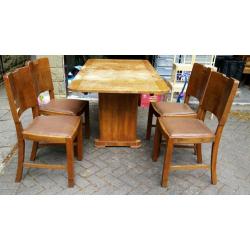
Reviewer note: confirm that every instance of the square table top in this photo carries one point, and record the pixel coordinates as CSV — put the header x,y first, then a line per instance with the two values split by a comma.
x,y
119,76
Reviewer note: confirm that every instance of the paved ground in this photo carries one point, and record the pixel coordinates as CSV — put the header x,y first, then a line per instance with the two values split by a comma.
x,y
130,171
7,126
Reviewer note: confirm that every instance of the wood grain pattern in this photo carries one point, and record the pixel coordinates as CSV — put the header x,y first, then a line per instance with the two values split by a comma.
x,y
118,76
22,96
41,74
118,120
196,86
42,81
118,83
218,99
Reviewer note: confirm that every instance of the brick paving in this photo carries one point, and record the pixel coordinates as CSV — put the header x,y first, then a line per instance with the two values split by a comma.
x,y
7,127
115,170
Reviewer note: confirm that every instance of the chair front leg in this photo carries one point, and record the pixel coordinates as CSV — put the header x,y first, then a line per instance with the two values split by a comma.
x,y
70,158
199,152
214,154
21,154
34,150
80,143
150,120
157,142
167,162
87,125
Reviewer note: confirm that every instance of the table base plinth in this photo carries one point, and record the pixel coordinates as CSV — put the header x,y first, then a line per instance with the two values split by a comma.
x,y
102,143
118,120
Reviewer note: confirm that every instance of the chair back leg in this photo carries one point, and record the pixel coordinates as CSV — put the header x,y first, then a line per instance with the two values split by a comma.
x,y
157,142
79,143
150,120
70,158
34,151
87,126
199,152
167,162
21,154
214,154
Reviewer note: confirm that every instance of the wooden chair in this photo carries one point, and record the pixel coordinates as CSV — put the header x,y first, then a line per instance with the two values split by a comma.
x,y
42,79
197,83
218,98
49,129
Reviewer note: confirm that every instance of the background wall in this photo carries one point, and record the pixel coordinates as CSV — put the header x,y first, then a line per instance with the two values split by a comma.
x,y
57,71
12,62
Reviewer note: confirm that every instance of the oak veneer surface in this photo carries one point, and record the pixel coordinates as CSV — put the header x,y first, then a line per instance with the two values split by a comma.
x,y
118,120
119,76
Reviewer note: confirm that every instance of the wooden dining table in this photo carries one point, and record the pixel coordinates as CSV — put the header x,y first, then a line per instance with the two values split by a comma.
x,y
119,84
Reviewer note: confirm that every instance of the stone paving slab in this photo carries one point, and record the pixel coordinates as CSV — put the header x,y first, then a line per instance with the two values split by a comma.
x,y
8,137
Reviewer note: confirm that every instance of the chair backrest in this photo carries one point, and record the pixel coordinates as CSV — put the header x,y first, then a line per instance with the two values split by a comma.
x,y
197,82
218,97
41,74
21,94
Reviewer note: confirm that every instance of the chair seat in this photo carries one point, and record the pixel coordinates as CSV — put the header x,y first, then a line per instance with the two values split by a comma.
x,y
186,129
52,128
173,109
64,107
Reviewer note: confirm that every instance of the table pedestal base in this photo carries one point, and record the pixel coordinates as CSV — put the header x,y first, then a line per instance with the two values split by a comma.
x,y
118,120
133,144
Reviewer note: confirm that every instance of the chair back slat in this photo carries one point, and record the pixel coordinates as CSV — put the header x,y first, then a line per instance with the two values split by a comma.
x,y
41,74
219,95
20,92
197,81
